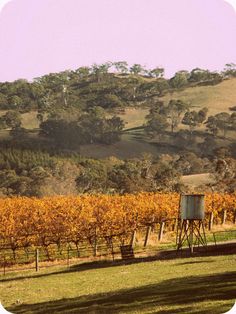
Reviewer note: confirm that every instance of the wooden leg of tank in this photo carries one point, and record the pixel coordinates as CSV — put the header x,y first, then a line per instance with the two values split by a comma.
x,y
191,228
180,236
193,233
204,234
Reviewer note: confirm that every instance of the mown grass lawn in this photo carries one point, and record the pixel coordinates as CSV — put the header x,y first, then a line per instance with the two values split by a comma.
x,y
183,285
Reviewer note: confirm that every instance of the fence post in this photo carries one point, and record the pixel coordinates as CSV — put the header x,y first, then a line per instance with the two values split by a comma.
x,y
224,216
160,235
132,242
95,249
148,232
4,265
112,250
174,226
68,256
211,220
37,259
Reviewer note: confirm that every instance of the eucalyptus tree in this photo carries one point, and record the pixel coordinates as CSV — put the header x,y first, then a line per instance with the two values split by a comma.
x,y
174,111
100,70
11,119
199,75
156,124
220,122
157,72
194,118
137,69
230,69
83,72
121,67
180,79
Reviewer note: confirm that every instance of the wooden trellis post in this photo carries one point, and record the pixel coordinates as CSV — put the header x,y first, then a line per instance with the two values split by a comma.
x,y
133,238
4,264
37,259
211,220
147,236
224,216
174,225
68,256
160,235
95,248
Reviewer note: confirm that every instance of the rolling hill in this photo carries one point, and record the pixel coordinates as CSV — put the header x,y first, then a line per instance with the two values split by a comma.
x,y
134,143
217,98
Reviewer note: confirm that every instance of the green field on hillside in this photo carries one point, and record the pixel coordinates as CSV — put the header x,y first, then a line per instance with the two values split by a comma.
x,y
135,143
216,98
185,285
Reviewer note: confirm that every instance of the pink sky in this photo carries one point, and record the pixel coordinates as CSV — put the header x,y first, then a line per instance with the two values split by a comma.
x,y
42,36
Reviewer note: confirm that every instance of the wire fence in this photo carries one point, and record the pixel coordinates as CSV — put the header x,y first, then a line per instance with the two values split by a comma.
x,y
23,254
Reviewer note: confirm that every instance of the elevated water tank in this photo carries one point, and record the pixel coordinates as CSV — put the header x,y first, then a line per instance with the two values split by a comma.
x,y
192,206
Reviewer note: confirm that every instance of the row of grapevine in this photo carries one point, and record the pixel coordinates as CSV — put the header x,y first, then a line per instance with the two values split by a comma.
x,y
26,222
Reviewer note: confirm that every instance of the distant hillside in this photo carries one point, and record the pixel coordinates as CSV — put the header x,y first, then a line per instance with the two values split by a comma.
x,y
134,143
197,180
129,94
216,98
92,130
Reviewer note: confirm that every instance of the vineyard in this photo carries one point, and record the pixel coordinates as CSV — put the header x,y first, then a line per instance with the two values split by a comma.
x,y
27,223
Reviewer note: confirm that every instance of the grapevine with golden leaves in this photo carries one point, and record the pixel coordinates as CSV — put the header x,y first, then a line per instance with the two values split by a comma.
x,y
40,222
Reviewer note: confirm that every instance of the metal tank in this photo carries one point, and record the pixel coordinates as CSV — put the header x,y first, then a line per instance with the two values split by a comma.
x,y
192,207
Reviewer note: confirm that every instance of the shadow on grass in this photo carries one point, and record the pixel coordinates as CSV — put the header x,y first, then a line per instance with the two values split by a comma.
x,y
226,249
195,262
178,295
84,266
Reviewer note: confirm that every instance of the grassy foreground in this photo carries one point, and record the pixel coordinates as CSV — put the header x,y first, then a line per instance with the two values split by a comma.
x,y
184,285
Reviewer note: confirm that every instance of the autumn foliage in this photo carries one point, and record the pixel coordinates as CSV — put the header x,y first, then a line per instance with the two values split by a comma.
x,y
41,222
